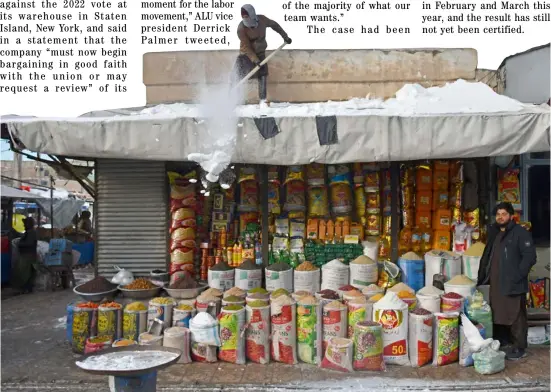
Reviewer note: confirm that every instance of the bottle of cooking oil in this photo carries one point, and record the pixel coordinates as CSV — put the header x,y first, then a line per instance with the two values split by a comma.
x,y
417,240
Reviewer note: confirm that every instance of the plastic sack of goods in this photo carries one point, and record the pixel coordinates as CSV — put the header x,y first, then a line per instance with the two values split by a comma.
x,y
392,313
309,327
258,331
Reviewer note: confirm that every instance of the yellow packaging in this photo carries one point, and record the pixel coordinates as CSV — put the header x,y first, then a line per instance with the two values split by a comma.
x,y
456,216
357,229
472,218
183,213
426,240
404,241
273,198
184,233
341,198
373,224
387,225
360,201
294,173
178,192
407,197
407,176
373,181
456,196
373,200
416,240
441,240
408,218
247,174
181,256
384,247
318,202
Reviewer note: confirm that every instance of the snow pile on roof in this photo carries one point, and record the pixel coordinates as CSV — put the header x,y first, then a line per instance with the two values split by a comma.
x,y
459,97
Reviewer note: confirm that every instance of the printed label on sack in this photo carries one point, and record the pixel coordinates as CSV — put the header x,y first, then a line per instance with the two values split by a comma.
x,y
109,323
395,331
258,335
334,325
284,335
395,349
355,315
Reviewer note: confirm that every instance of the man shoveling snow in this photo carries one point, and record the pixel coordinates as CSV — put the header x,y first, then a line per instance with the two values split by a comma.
x,y
252,34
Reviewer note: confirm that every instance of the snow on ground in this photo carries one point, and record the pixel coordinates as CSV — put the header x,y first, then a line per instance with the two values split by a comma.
x,y
412,99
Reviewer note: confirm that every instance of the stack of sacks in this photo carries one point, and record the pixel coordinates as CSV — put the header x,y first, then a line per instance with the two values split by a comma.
x,y
183,203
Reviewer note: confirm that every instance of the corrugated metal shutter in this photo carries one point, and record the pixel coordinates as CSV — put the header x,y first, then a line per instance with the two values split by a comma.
x,y
131,216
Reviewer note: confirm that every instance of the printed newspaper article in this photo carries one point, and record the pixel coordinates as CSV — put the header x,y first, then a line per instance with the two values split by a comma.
x,y
76,47
208,195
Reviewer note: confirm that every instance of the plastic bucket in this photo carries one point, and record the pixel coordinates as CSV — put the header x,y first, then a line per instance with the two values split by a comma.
x,y
449,305
464,290
413,273
429,302
470,266
439,262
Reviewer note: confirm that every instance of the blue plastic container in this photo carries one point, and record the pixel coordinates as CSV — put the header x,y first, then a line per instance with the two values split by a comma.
x,y
413,273
86,252
69,327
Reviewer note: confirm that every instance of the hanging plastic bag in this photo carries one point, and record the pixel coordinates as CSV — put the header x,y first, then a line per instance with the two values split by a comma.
x,y
123,277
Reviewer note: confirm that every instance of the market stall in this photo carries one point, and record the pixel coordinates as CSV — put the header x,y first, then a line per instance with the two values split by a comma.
x,y
340,218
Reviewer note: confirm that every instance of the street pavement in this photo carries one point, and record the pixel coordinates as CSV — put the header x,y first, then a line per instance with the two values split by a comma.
x,y
36,357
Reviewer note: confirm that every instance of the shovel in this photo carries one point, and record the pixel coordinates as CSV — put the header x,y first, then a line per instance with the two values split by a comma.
x,y
255,69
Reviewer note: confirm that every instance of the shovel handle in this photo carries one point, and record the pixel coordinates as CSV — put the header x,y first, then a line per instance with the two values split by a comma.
x,y
255,69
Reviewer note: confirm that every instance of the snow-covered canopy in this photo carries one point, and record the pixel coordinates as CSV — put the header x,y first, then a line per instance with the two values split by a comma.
x,y
459,120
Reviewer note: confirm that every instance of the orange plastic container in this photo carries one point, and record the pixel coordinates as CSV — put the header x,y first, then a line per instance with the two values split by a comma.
x,y
440,200
322,230
440,180
423,179
423,219
423,200
442,220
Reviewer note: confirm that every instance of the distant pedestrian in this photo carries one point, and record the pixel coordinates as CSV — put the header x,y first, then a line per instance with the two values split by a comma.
x,y
252,51
24,269
508,257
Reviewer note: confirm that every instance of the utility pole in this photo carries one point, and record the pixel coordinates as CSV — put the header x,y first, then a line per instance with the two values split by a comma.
x,y
18,162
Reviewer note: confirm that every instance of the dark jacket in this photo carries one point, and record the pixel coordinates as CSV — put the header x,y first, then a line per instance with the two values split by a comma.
x,y
518,256
253,41
28,242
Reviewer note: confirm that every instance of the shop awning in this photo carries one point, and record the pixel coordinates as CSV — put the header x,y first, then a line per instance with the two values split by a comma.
x,y
331,133
14,193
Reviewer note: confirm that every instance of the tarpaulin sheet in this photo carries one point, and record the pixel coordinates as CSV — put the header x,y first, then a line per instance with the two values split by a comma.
x,y
125,134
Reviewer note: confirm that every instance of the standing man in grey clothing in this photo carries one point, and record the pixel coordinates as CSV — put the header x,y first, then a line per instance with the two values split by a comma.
x,y
252,51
